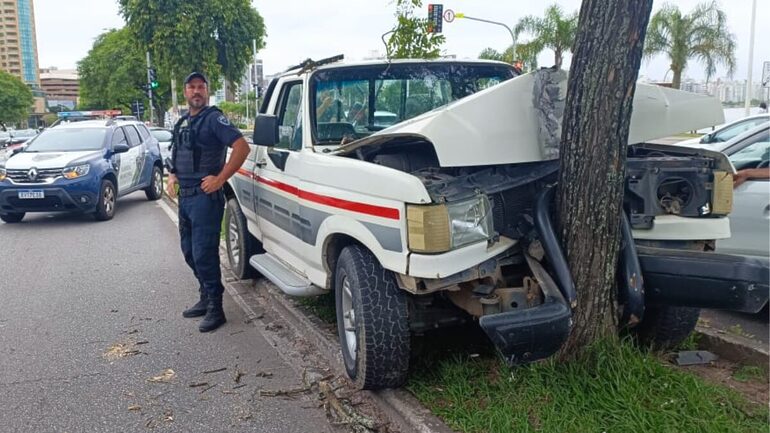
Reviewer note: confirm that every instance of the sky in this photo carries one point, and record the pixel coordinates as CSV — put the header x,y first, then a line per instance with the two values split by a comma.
x,y
300,29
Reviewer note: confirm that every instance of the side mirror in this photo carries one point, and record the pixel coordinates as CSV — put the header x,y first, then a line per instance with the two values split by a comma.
x,y
120,148
266,130
705,139
17,149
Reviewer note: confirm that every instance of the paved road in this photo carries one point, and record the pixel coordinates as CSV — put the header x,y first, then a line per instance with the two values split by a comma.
x,y
72,288
752,326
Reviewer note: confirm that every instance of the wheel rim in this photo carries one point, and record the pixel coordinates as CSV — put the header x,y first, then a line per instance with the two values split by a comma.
x,y
235,245
349,318
158,183
109,199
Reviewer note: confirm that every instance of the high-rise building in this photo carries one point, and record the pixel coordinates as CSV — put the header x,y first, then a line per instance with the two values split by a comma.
x,y
18,41
62,87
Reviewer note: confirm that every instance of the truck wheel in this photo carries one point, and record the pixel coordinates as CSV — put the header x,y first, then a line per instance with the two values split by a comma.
x,y
241,245
13,217
372,320
155,190
665,327
105,205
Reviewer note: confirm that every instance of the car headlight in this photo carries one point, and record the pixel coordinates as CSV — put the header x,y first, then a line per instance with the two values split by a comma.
x,y
443,227
76,171
3,174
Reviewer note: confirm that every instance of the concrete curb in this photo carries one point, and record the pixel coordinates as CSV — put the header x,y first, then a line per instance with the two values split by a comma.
x,y
733,347
403,409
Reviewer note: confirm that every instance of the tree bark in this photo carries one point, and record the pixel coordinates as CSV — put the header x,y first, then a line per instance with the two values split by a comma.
x,y
600,91
677,83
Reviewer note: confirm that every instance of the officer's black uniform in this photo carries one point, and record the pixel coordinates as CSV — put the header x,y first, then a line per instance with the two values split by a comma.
x,y
200,150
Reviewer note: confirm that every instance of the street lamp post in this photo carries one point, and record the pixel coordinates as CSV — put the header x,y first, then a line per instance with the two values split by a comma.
x,y
513,37
751,57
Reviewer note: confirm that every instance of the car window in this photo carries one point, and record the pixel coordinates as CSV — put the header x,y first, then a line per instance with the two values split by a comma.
x,y
133,136
737,129
754,154
68,140
143,132
161,135
351,103
290,117
118,137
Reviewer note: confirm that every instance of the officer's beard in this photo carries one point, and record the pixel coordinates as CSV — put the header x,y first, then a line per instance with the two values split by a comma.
x,y
197,102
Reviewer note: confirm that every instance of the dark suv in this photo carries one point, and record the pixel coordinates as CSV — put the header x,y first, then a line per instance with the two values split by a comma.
x,y
82,167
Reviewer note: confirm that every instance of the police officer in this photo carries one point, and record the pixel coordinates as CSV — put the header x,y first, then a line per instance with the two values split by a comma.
x,y
197,166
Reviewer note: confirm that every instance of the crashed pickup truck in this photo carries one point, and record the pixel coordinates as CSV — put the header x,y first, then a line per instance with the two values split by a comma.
x,y
419,193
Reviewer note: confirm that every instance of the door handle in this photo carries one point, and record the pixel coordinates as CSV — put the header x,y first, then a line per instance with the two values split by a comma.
x,y
261,164
766,213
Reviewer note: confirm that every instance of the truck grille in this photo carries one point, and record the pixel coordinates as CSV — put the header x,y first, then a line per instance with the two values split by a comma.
x,y
42,175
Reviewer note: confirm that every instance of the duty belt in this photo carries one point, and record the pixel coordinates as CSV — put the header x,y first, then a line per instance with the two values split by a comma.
x,y
187,192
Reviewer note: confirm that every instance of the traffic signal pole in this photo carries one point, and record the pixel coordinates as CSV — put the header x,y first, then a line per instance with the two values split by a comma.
x,y
513,36
149,89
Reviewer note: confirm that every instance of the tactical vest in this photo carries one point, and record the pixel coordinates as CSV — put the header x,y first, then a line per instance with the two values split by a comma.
x,y
192,159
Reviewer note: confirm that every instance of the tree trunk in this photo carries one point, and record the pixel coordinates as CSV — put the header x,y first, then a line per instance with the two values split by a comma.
x,y
677,83
557,58
600,91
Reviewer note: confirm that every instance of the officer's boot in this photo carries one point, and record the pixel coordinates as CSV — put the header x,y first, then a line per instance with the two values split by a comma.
x,y
215,316
199,308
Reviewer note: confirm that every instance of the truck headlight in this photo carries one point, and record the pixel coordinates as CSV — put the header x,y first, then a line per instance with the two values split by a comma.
x,y
76,171
3,174
443,227
722,193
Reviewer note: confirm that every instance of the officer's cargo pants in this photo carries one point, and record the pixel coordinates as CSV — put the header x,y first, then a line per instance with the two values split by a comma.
x,y
200,222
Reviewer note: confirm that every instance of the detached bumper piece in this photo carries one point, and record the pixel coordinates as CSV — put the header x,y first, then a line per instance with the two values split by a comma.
x,y
704,280
530,334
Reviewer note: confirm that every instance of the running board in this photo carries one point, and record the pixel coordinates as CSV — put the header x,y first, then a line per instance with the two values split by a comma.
x,y
287,279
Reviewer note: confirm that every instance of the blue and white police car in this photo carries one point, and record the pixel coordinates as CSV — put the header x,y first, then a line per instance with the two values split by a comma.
x,y
81,167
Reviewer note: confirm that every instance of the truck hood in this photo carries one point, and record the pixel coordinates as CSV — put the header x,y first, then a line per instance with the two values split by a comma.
x,y
27,160
502,125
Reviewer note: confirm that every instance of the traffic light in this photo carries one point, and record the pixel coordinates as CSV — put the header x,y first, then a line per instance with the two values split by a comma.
x,y
153,79
435,17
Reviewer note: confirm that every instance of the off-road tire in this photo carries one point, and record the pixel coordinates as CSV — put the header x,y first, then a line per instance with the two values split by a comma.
x,y
241,246
155,190
381,358
665,327
103,211
13,217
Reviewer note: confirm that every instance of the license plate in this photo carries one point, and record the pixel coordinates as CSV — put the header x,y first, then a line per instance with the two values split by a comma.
x,y
34,194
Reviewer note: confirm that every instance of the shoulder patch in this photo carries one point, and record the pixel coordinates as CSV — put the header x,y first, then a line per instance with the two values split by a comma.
x,y
223,120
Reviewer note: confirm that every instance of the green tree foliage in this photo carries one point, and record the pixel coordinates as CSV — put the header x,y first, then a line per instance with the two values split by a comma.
x,y
525,53
701,35
114,73
15,99
410,38
210,36
555,31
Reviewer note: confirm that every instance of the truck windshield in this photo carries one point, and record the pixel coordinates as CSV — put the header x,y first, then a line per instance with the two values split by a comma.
x,y
67,140
351,103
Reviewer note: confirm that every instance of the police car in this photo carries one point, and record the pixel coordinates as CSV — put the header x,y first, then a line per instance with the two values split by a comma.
x,y
81,167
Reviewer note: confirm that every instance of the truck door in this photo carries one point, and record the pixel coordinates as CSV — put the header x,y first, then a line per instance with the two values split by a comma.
x,y
277,182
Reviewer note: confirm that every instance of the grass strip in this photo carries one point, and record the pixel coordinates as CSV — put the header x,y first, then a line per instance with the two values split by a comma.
x,y
614,388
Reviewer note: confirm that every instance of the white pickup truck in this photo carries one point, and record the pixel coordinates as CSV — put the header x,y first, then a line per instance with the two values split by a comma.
x,y
419,192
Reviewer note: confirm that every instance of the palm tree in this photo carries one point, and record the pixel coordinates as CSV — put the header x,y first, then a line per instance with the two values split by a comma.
x,y
555,31
524,54
702,35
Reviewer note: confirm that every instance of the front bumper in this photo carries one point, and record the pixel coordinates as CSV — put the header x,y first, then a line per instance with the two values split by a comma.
x,y
72,196
704,279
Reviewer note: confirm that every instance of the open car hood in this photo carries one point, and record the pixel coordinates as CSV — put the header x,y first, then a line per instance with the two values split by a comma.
x,y
500,125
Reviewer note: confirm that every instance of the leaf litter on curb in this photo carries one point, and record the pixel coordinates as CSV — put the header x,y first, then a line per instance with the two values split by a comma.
x,y
165,377
121,350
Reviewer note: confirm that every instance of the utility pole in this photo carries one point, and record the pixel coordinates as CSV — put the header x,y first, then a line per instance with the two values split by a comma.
x,y
513,37
751,56
149,89
256,79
